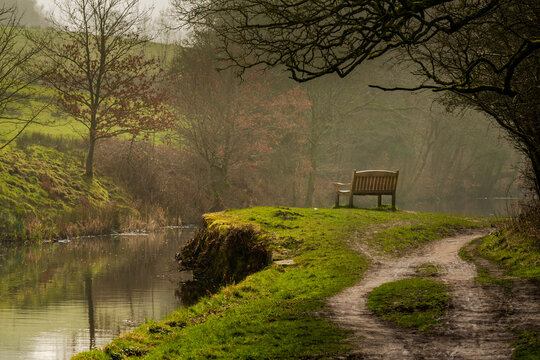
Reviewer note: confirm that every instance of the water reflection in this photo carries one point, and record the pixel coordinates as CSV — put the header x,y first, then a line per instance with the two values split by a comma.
x,y
60,299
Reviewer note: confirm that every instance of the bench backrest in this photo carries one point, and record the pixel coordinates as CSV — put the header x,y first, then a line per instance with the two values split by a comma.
x,y
374,182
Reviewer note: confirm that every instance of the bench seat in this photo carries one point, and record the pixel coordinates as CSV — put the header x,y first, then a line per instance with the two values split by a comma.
x,y
369,182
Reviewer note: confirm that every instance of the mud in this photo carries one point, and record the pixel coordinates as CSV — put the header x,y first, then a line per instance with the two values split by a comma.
x,y
478,324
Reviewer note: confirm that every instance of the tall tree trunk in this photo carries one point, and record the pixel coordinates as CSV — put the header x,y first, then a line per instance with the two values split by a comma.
x,y
310,189
90,156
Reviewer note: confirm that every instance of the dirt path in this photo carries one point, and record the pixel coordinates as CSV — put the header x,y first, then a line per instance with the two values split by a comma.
x,y
477,324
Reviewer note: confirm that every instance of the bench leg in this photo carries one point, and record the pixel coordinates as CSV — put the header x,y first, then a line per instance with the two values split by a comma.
x,y
351,200
379,201
337,199
394,202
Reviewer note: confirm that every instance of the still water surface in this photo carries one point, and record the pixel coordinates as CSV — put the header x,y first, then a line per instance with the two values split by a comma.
x,y
64,298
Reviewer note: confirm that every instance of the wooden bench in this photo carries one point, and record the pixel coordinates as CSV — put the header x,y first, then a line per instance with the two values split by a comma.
x,y
369,182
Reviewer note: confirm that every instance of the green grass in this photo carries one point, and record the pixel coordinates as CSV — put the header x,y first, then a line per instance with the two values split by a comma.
x,y
515,252
419,229
428,270
272,313
471,253
40,186
417,303
527,346
50,120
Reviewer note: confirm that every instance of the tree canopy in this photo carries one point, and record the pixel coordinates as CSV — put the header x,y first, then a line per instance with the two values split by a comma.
x,y
102,76
485,52
317,37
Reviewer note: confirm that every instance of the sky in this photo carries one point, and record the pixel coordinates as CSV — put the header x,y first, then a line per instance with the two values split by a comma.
x,y
159,5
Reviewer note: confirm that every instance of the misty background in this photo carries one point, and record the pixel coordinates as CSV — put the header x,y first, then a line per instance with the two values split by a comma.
x,y
35,11
449,161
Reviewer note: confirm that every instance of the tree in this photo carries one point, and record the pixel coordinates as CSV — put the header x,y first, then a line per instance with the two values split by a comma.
x,y
485,52
16,75
225,122
103,79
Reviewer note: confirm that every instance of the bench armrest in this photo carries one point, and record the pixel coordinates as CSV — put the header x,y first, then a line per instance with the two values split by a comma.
x,y
339,185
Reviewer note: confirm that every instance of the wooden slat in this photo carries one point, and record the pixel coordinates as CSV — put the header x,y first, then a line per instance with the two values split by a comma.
x,y
374,182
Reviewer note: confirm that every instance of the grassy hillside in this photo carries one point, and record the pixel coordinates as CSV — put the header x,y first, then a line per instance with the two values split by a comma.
x,y
51,120
273,313
43,194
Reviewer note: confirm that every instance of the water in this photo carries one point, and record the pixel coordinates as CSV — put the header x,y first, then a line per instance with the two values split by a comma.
x,y
63,298
482,206
488,206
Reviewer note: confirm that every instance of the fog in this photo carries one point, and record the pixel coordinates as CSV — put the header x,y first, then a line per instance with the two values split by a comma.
x,y
31,11
158,5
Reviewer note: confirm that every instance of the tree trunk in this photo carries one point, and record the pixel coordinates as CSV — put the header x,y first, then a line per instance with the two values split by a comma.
x,y
90,157
534,156
219,184
310,189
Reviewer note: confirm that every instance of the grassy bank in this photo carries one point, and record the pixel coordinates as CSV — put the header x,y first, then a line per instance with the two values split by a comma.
x,y
516,252
510,257
273,313
44,194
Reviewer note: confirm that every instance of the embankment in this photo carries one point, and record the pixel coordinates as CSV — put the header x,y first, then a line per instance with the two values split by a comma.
x,y
277,312
45,195
225,255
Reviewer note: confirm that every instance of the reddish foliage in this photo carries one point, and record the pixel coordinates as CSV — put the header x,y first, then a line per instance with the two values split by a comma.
x,y
235,126
127,98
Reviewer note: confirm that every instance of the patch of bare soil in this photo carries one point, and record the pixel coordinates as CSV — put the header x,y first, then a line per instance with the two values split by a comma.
x,y
477,325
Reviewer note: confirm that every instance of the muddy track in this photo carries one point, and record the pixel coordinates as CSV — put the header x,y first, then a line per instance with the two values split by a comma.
x,y
477,325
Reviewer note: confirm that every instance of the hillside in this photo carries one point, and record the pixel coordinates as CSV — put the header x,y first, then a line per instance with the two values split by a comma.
x,y
44,195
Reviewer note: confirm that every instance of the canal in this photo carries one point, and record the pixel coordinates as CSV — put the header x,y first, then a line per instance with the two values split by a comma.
x,y
58,299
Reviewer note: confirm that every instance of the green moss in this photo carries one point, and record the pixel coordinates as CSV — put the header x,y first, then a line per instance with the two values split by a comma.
x,y
92,355
418,303
271,314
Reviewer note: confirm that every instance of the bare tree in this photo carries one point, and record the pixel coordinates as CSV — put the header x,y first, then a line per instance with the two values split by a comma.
x,y
485,51
103,78
226,122
16,74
